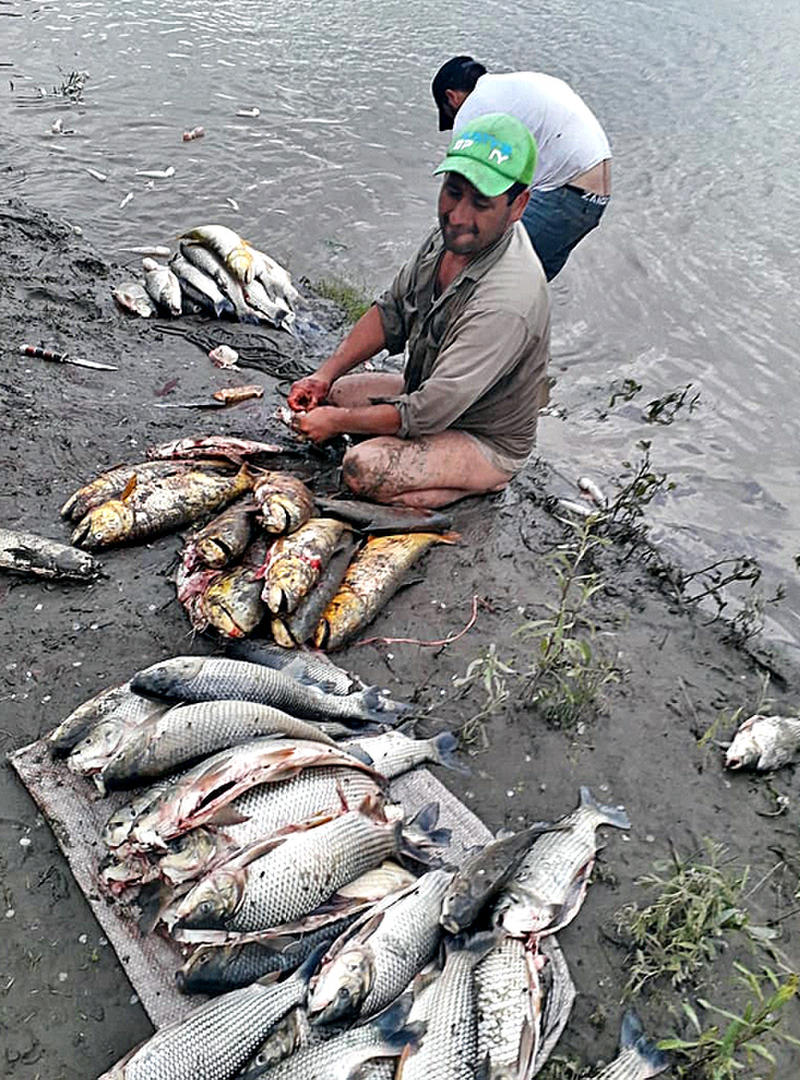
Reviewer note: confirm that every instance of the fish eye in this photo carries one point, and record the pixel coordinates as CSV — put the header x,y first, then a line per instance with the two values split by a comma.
x,y
344,993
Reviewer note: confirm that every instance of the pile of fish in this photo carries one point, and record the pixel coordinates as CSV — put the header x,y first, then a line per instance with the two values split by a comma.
x,y
217,273
326,920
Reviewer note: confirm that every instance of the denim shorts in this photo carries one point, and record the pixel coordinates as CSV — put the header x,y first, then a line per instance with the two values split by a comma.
x,y
557,220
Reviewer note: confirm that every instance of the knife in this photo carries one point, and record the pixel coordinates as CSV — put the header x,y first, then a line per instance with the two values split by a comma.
x,y
63,358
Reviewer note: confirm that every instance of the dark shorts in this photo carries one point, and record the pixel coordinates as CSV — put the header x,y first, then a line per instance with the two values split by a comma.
x,y
557,220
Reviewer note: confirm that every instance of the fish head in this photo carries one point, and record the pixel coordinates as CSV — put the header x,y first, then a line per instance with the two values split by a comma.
x,y
281,514
458,906
99,746
239,261
282,1041
210,903
203,968
218,614
342,985
188,856
213,551
520,919
120,824
747,746
109,523
161,680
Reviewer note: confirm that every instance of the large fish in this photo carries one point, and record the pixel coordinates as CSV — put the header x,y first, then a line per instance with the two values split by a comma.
x,y
275,278
296,628
372,578
371,963
201,794
114,481
216,1040
235,252
209,263
509,1001
81,720
232,603
224,539
283,879
100,744
548,887
208,678
305,667
638,1059
393,753
27,553
379,519
214,446
274,310
159,506
121,821
133,296
199,286
284,502
163,287
765,742
186,733
295,563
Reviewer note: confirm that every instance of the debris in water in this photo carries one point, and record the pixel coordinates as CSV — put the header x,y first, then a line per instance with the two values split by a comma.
x,y
195,133
232,203
157,174
126,200
253,113
102,177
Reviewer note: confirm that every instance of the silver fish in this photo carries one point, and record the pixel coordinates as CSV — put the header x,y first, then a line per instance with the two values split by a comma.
x,y
550,883
120,823
766,742
509,996
162,285
92,754
216,1040
228,284
638,1059
200,283
28,553
275,278
80,721
135,297
394,753
201,678
278,313
309,668
283,879
371,963
157,174
186,733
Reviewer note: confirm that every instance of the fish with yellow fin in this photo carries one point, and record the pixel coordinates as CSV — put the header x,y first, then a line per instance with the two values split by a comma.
x,y
371,580
235,252
295,562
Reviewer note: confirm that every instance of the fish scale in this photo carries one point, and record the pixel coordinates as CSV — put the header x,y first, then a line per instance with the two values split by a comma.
x,y
216,1040
508,995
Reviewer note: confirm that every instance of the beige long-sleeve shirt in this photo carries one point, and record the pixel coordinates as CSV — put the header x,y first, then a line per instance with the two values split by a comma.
x,y
477,354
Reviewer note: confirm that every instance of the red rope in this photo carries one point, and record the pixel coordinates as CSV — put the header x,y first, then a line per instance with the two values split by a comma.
x,y
428,644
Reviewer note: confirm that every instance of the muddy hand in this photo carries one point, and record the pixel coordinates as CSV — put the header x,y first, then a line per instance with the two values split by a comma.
x,y
307,393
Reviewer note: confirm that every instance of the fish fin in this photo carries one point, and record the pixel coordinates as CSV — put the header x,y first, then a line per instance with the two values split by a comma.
x,y
448,538
609,815
632,1037
270,978
153,900
380,708
310,964
129,489
394,1017
477,945
226,815
445,746
632,1030
404,1040
360,753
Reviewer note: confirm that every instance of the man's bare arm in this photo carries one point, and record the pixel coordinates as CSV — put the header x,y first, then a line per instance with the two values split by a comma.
x,y
325,422
365,339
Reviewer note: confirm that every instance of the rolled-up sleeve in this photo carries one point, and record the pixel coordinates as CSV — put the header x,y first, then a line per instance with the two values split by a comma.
x,y
484,346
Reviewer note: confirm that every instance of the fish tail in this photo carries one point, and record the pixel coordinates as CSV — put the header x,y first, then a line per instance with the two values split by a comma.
x,y
608,815
393,1018
632,1036
420,830
379,707
307,968
445,746
476,945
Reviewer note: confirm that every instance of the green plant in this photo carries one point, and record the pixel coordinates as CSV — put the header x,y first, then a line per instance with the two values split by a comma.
x,y
698,900
627,390
663,410
491,673
638,487
353,300
567,672
723,1054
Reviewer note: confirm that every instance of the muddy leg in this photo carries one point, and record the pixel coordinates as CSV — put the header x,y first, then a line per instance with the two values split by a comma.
x,y
430,471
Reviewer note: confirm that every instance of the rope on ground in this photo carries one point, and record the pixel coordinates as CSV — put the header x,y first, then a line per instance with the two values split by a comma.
x,y
427,644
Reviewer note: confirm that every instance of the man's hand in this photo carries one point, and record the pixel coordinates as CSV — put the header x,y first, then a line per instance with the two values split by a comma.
x,y
321,424
307,393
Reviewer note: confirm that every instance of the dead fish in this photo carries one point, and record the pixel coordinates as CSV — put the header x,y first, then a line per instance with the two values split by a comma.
x,y
218,1038
235,252
80,721
547,889
200,795
483,875
162,285
372,962
200,286
232,603
157,174
275,278
124,202
308,668
509,1001
297,627
371,580
394,753
185,733
379,519
253,113
223,357
134,297
232,395
208,678
275,311
27,553
94,751
114,481
591,490
295,562
95,174
638,1059
191,586
193,133
227,282
159,506
117,828
223,540
155,251
284,502
201,446
766,742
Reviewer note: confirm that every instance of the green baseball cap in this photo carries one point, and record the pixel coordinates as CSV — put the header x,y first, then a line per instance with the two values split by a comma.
x,y
493,152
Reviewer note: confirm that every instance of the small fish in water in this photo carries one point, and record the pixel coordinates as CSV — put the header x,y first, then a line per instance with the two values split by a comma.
x,y
766,742
638,1059
56,128
253,113
194,133
135,298
223,357
591,490
102,177
162,285
157,174
155,251
232,395
128,198
232,203
27,553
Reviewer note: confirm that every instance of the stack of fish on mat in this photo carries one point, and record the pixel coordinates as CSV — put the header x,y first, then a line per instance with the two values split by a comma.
x,y
269,557
326,918
217,273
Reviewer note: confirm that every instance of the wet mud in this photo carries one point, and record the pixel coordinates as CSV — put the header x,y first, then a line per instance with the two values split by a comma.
x,y
66,1008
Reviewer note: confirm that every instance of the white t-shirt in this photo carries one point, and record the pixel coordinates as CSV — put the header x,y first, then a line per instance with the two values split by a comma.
x,y
568,135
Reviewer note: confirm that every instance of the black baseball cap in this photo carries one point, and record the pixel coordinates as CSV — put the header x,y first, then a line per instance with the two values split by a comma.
x,y
459,73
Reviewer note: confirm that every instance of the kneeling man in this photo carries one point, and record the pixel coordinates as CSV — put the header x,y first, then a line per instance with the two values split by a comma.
x,y
471,309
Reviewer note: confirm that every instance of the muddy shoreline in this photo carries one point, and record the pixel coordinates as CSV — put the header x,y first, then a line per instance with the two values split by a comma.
x,y
66,1008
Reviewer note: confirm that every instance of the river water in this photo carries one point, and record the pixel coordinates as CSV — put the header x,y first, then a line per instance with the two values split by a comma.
x,y
690,281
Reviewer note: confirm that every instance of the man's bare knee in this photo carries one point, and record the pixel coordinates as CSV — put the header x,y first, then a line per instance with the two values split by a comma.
x,y
357,474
